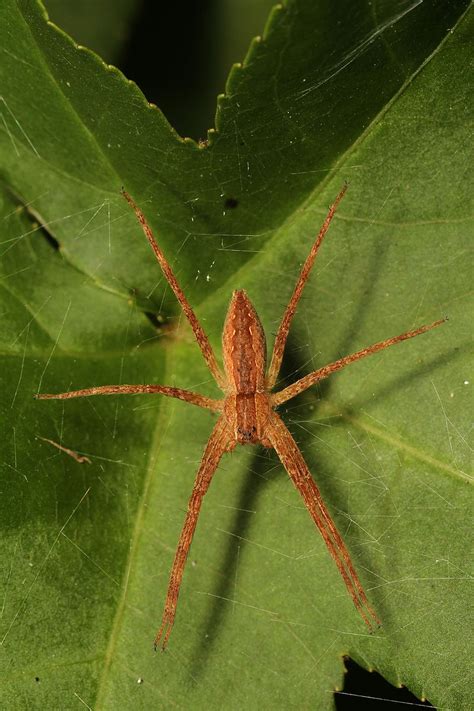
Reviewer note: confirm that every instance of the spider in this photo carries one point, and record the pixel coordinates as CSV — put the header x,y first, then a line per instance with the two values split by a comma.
x,y
247,412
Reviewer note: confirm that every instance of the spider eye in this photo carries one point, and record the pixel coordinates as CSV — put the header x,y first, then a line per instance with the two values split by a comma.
x,y
247,434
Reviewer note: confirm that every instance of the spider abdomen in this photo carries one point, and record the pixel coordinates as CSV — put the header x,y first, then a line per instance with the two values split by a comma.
x,y
244,347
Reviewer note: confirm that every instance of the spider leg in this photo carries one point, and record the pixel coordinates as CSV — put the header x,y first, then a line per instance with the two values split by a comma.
x,y
201,337
282,333
179,393
312,378
293,461
220,441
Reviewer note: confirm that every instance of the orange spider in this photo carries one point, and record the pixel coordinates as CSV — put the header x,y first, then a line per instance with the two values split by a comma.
x,y
247,412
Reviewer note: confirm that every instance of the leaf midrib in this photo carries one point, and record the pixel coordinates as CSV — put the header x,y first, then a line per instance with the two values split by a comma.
x,y
151,471
392,439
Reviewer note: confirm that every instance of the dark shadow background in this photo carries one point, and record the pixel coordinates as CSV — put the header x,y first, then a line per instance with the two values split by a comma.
x,y
179,53
369,691
172,54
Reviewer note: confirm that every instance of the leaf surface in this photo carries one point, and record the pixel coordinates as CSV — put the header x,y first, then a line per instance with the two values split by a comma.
x,y
331,92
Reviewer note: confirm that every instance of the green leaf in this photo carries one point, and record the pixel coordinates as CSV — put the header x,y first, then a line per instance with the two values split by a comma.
x,y
333,91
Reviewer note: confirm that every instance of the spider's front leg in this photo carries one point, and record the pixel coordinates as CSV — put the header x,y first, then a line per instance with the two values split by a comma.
x,y
220,441
293,461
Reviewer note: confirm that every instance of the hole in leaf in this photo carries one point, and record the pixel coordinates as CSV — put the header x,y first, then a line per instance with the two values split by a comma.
x,y
155,319
231,203
52,241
